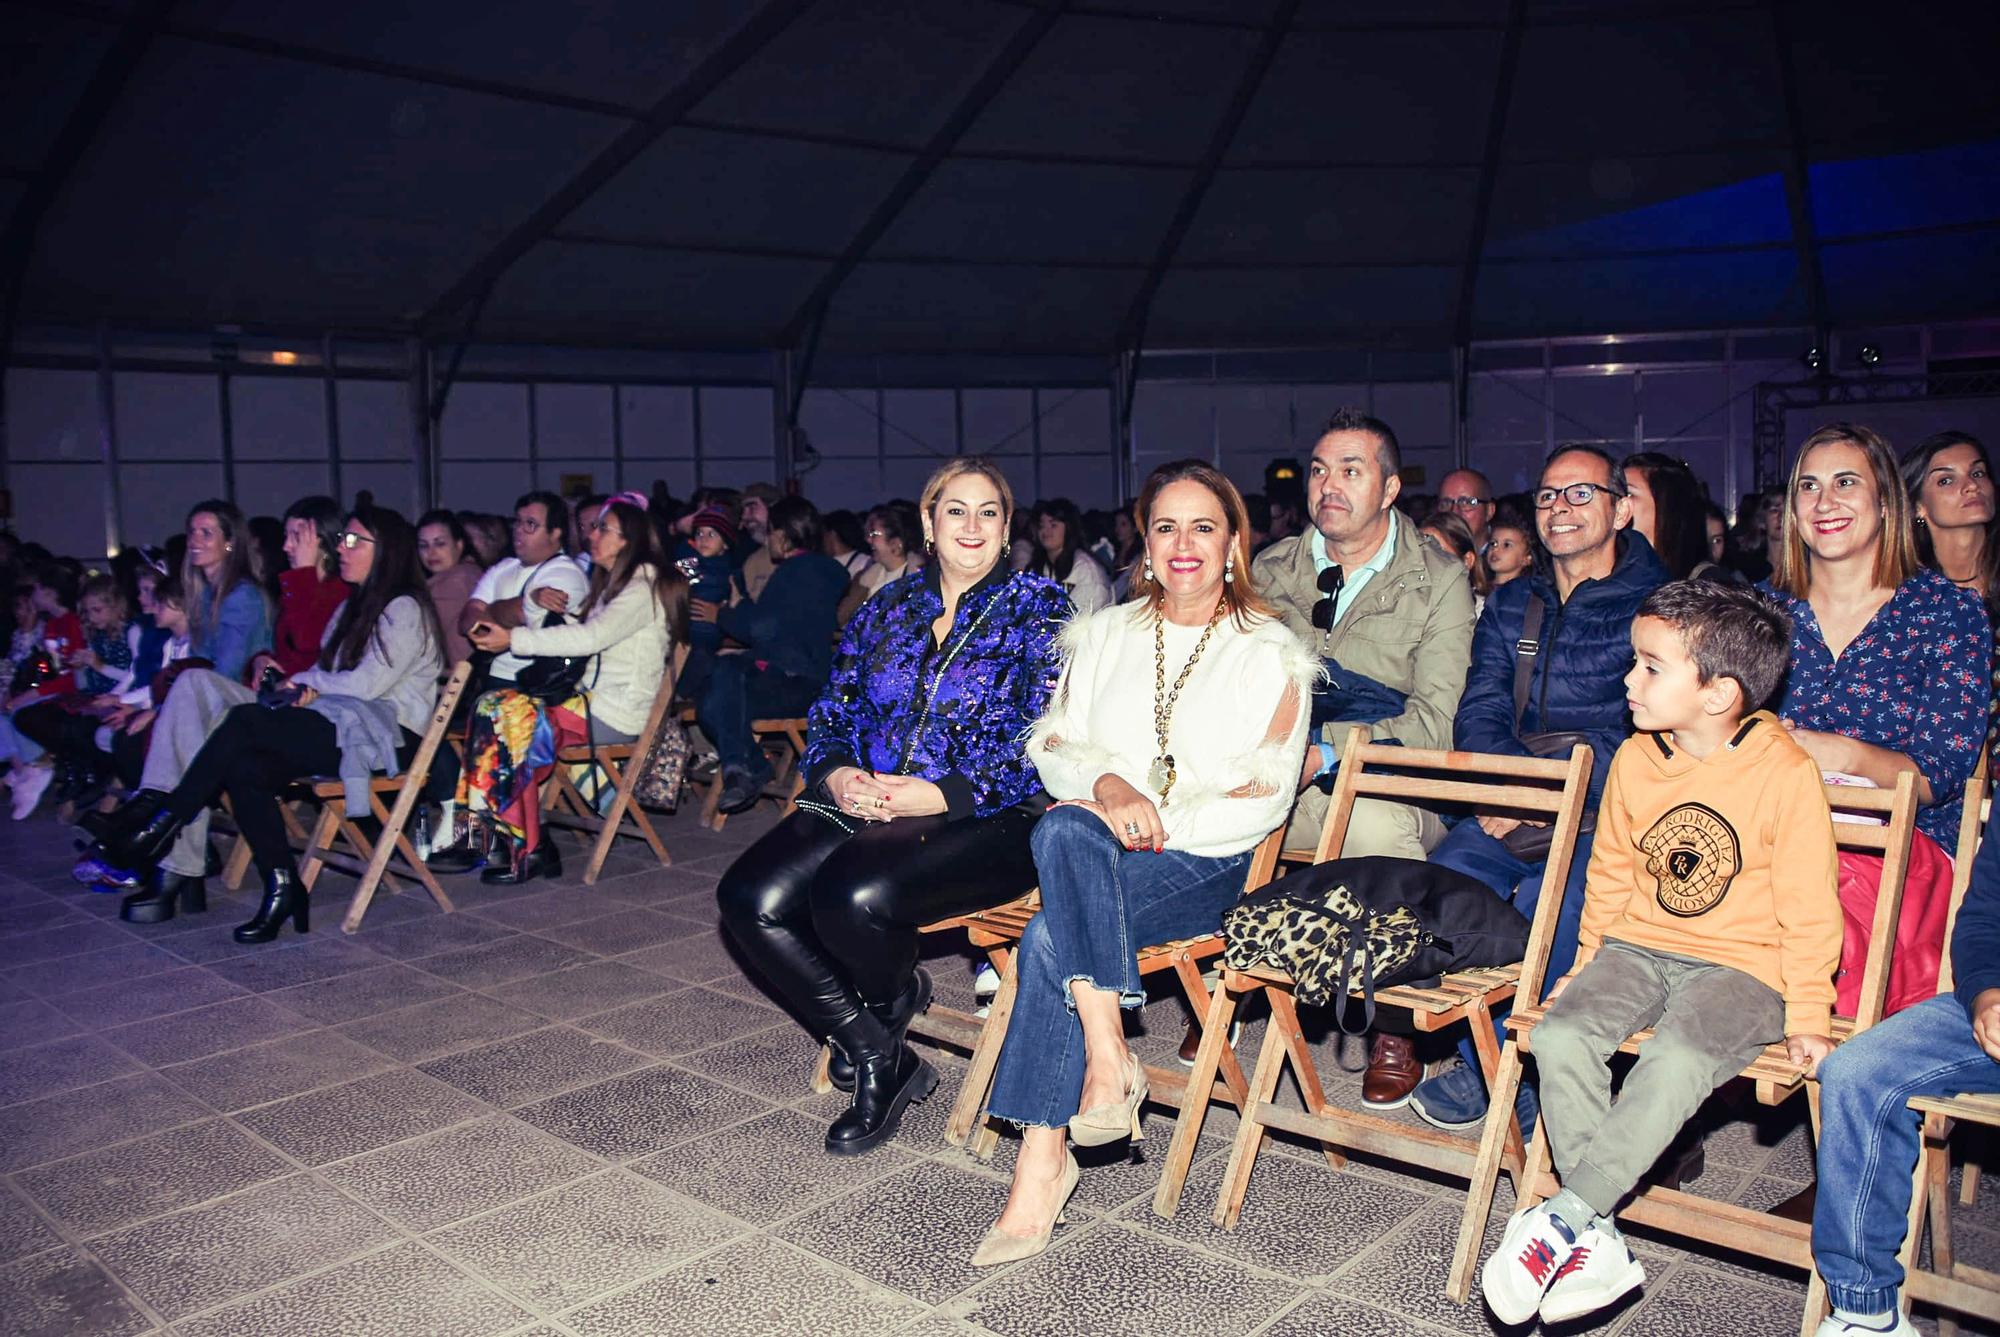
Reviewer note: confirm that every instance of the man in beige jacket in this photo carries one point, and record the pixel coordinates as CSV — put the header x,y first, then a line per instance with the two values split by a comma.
x,y
1400,613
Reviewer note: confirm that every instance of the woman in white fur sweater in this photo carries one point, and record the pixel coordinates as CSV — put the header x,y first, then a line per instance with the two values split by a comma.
x,y
1174,747
636,607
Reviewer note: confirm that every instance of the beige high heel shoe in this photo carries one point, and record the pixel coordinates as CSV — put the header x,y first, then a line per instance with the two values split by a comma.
x,y
999,1247
1107,1123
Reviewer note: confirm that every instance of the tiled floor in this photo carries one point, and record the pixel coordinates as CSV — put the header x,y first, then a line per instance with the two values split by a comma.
x,y
566,1111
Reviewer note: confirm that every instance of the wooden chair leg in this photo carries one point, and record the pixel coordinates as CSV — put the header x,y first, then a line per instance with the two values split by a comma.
x,y
821,1083
1486,1044
238,866
1249,1133
319,842
1504,1083
1935,1169
1215,1024
967,1111
1968,1185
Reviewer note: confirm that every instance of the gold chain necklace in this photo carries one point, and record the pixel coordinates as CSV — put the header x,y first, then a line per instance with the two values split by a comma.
x,y
1161,775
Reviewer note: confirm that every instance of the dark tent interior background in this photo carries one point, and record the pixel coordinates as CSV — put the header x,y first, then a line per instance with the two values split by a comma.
x,y
437,250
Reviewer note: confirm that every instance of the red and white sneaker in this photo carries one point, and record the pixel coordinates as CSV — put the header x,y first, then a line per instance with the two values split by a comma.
x,y
1598,1270
1533,1249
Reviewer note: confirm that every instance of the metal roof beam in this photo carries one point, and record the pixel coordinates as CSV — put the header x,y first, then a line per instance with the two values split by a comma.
x,y
1798,183
811,312
1489,170
718,65
1132,332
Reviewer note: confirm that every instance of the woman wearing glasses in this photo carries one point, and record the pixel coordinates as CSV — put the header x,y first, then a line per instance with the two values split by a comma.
x,y
635,609
361,708
1164,793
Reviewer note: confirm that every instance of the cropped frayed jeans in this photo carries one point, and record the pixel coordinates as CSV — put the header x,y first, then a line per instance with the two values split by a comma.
x,y
1869,1139
1101,904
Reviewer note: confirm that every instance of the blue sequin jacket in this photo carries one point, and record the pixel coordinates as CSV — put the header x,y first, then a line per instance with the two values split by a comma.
x,y
961,710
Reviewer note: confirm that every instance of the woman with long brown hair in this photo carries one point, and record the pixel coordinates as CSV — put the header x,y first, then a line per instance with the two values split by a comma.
x,y
1164,794
629,619
1891,661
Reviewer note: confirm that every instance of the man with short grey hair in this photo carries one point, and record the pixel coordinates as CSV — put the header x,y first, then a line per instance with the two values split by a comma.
x,y
1466,494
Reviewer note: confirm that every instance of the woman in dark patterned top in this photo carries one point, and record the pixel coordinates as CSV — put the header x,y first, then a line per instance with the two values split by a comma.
x,y
1891,662
1950,481
916,805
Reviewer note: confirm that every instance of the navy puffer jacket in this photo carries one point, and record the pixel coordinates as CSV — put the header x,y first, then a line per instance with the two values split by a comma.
x,y
1579,676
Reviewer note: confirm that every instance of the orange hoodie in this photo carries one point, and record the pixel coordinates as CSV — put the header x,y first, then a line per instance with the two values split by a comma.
x,y
1729,858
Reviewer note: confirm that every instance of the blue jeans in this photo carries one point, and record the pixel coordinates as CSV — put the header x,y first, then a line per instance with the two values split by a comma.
x,y
737,693
1100,905
1869,1140
1471,851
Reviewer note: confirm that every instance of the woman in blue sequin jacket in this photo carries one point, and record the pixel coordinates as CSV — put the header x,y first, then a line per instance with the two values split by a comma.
x,y
918,801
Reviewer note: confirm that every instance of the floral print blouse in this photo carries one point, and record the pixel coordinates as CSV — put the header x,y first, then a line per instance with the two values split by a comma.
x,y
1917,680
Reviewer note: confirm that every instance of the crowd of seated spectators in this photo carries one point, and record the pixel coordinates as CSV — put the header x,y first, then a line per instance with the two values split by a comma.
x,y
986,686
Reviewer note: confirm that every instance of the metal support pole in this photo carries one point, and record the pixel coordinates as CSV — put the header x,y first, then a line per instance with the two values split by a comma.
x,y
787,390
422,465
107,440
332,384
228,422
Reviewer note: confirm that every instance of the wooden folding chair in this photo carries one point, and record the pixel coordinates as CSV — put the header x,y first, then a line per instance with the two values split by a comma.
x,y
1773,1075
564,805
784,743
1515,786
370,859
1166,1086
1953,1286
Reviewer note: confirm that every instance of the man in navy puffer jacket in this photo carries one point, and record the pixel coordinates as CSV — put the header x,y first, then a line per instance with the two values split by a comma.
x,y
1597,571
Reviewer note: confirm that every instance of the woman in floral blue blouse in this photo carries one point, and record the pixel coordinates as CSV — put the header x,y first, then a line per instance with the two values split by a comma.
x,y
917,803
1890,660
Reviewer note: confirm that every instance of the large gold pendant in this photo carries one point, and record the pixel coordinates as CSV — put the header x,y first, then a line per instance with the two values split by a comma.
x,y
1160,777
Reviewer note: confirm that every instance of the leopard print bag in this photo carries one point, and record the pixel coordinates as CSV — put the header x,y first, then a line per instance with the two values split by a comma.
x,y
1328,942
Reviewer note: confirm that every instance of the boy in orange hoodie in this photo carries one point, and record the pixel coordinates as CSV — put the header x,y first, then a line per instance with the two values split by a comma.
x,y
1710,914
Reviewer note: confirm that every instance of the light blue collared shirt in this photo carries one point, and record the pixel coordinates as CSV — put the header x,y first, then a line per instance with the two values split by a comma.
x,y
1357,579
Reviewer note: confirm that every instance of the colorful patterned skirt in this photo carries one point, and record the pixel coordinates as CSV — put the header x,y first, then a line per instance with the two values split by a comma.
x,y
510,748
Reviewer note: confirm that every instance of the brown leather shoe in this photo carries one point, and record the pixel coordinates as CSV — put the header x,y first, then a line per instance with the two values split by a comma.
x,y
1393,1072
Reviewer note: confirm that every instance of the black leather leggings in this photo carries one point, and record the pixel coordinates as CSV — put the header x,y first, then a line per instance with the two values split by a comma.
x,y
831,920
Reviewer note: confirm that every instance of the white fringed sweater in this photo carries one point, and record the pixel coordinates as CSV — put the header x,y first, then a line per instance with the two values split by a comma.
x,y
1234,782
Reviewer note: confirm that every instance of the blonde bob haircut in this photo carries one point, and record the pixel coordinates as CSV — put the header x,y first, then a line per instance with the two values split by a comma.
x,y
958,468
1896,546
1238,595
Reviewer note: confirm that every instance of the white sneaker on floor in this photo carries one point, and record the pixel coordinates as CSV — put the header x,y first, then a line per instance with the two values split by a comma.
x,y
985,988
30,783
1531,1251
1900,1326
1598,1270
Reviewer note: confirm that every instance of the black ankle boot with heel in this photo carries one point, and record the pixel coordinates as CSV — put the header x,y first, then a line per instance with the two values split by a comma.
x,y
165,893
888,1076
145,846
284,898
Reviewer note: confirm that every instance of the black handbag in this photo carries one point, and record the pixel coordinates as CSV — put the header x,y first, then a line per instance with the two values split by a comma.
x,y
1526,842
552,679
1364,924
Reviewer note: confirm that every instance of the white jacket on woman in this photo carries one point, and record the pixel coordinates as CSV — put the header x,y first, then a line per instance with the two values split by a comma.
x,y
628,635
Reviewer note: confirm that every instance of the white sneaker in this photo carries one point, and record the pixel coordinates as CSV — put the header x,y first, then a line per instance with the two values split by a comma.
x,y
1840,1327
1513,1279
30,783
985,988
1598,1270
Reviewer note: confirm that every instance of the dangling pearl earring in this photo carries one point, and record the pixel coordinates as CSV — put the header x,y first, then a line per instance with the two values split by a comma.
x,y
1149,568
1229,571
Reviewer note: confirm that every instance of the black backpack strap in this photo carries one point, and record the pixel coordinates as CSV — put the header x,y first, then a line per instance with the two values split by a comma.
x,y
1525,651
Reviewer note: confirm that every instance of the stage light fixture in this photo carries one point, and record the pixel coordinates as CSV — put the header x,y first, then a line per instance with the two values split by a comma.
x,y
1870,355
1813,359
